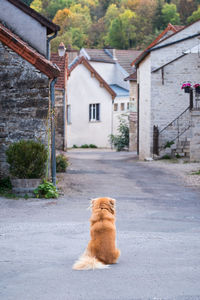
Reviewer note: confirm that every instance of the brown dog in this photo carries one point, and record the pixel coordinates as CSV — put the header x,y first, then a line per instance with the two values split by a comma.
x,y
101,249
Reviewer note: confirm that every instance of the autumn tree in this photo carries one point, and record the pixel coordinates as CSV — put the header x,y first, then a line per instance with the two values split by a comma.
x,y
186,8
194,17
170,15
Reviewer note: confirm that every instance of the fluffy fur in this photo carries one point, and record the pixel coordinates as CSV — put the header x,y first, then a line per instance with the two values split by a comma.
x,y
101,250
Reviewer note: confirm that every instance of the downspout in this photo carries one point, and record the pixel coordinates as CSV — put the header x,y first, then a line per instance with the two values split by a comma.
x,y
64,119
48,44
53,131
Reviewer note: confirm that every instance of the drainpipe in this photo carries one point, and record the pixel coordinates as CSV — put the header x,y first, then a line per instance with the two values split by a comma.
x,y
64,119
48,44
53,133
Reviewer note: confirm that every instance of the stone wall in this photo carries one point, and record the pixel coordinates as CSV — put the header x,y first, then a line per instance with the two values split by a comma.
x,y
195,136
24,100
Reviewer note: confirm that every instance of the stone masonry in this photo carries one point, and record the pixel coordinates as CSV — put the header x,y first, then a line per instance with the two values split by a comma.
x,y
24,101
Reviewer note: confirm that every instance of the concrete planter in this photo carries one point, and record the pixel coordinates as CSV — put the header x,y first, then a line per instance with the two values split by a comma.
x,y
24,187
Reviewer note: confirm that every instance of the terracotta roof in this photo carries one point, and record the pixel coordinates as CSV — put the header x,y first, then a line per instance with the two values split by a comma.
x,y
132,77
99,55
122,57
61,62
85,62
28,53
164,34
125,57
51,27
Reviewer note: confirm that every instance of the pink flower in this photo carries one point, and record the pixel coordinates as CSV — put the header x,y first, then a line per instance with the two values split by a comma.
x,y
186,85
196,85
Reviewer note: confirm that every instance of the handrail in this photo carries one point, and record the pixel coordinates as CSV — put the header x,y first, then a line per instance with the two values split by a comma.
x,y
174,119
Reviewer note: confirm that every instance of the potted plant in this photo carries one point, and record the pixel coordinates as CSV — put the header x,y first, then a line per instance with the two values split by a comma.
x,y
27,160
197,88
186,87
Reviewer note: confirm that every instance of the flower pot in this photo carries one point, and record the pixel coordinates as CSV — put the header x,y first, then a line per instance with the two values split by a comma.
x,y
187,89
197,90
24,187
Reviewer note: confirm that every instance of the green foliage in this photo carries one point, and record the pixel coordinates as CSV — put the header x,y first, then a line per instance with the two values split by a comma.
x,y
194,17
85,146
75,146
121,141
27,159
170,15
117,23
168,144
5,184
46,190
61,163
92,146
166,156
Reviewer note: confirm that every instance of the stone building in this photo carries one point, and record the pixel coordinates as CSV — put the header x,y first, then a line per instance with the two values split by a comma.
x,y
61,60
25,75
162,105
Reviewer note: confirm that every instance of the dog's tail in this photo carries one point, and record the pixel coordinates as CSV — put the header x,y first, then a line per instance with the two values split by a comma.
x,y
87,262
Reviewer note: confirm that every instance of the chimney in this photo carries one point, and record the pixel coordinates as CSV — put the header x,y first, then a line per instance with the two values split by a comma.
x,y
114,54
61,49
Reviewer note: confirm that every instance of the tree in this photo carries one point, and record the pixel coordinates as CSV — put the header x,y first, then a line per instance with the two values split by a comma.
x,y
158,17
194,17
170,15
122,31
37,5
186,8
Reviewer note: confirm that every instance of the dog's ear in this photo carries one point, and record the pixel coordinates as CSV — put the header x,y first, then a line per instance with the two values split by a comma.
x,y
91,203
112,202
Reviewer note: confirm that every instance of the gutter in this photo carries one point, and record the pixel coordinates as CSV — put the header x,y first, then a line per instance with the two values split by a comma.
x,y
48,44
53,131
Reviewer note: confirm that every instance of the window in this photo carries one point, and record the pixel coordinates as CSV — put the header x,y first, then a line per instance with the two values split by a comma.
x,y
68,114
115,107
94,112
128,106
122,106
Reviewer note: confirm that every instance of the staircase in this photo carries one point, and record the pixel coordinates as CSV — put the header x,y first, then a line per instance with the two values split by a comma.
x,y
174,139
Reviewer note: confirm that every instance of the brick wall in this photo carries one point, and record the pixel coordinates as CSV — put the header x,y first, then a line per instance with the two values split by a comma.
x,y
24,100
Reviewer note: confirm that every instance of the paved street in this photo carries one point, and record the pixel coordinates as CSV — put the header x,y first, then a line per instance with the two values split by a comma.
x,y
158,233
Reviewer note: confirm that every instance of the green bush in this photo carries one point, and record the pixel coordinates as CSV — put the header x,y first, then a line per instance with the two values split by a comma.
x,y
85,146
5,184
27,159
92,146
61,163
46,190
75,146
121,141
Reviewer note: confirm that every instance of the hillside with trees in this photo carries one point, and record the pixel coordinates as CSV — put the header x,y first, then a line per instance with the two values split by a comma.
x,y
120,24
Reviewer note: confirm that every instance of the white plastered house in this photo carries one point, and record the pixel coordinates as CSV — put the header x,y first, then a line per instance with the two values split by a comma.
x,y
89,107
161,71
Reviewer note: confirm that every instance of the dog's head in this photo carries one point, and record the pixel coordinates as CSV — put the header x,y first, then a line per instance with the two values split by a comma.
x,y
103,203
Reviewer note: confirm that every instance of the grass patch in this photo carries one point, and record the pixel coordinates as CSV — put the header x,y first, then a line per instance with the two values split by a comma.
x,y
196,173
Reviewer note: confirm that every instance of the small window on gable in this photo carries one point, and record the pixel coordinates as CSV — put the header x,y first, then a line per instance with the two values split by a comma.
x,y
94,112
122,106
115,107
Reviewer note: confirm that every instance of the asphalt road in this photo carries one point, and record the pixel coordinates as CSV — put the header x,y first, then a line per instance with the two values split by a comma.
x,y
158,233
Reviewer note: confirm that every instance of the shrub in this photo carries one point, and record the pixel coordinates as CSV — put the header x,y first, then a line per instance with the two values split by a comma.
x,y
61,163
121,141
46,190
168,144
5,184
27,159
92,146
85,146
75,146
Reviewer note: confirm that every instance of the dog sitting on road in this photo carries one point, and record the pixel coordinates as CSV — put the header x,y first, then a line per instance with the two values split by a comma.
x,y
101,250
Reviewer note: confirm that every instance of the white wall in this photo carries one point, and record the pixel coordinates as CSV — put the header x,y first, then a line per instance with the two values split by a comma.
x,y
83,90
111,73
144,79
29,29
119,113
